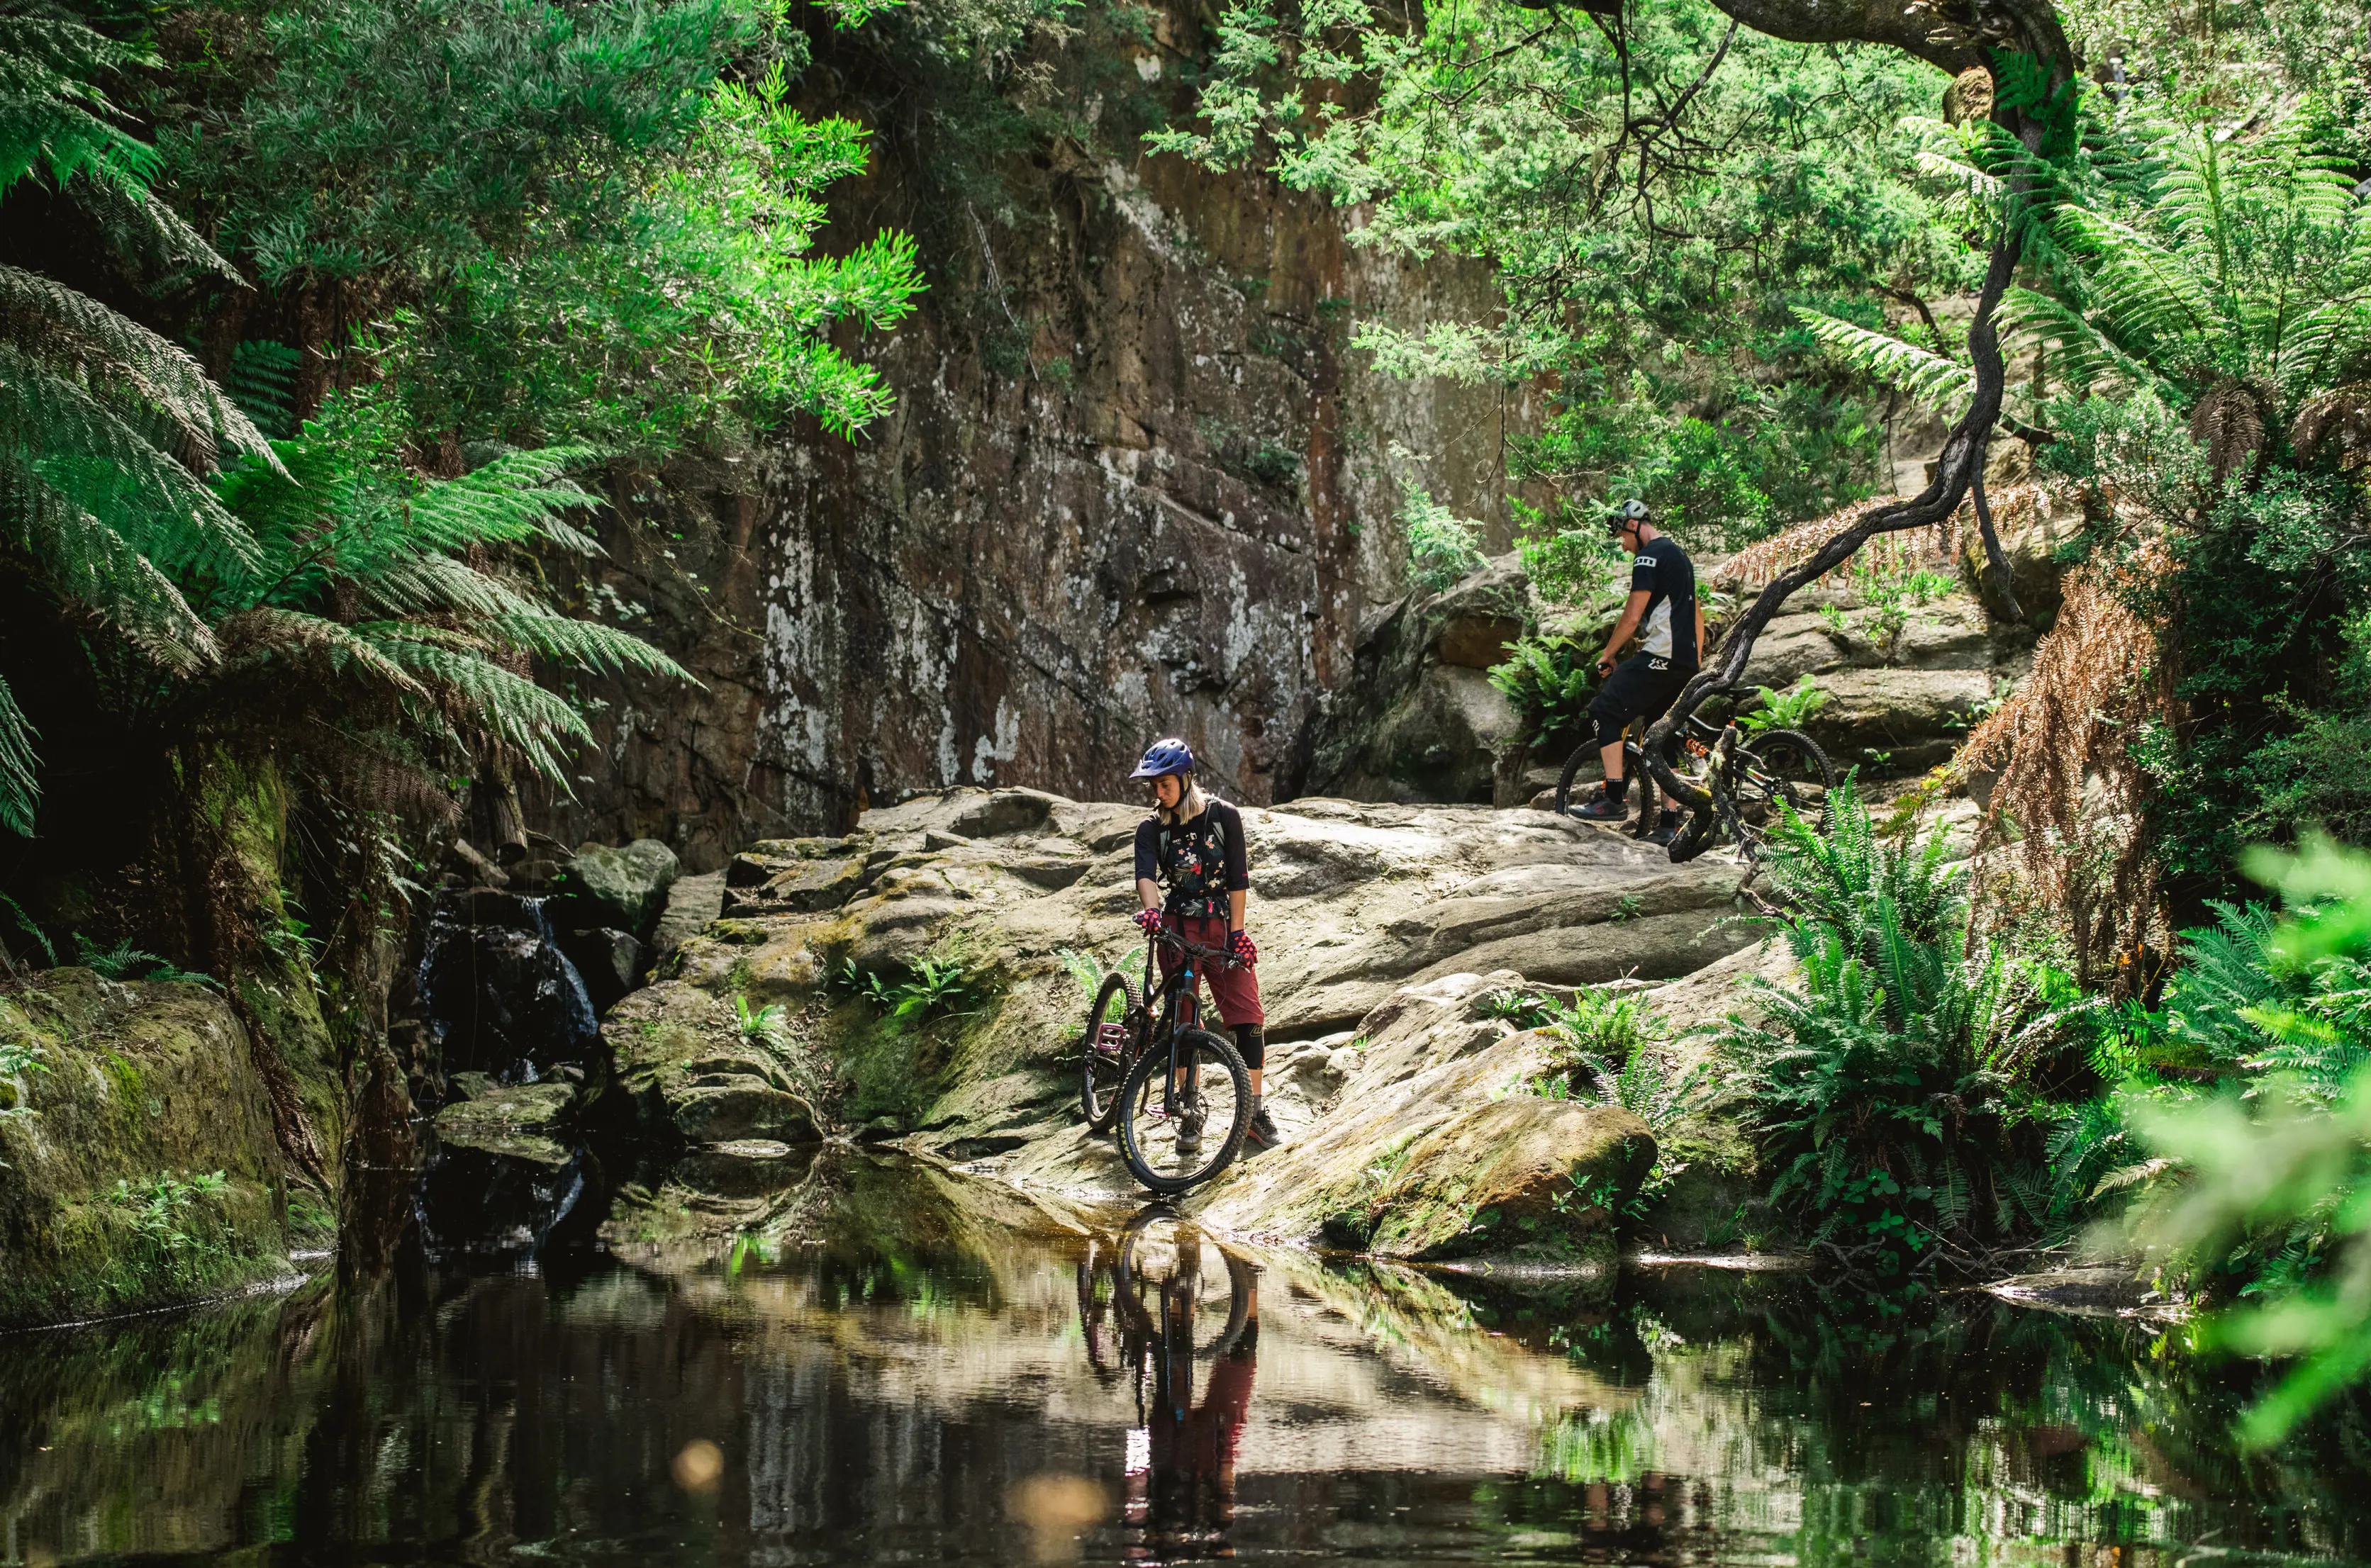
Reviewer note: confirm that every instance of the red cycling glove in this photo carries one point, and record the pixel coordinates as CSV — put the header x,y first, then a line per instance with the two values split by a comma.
x,y
1149,922
1239,944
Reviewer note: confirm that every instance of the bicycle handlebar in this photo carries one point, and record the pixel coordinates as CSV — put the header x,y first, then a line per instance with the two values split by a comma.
x,y
1196,948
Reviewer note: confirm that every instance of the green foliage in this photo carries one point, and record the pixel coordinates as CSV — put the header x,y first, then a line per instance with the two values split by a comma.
x,y
1441,547
262,381
125,962
1086,972
18,1058
1788,710
1929,379
596,222
769,1025
31,927
1550,681
168,1215
1649,264
1889,1091
2276,1175
934,986
1568,564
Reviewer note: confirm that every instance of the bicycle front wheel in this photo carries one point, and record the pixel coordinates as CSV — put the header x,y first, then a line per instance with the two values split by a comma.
x,y
1178,1128
1788,766
1112,1024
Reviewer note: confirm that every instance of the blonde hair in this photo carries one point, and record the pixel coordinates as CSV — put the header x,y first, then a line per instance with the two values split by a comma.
x,y
1190,803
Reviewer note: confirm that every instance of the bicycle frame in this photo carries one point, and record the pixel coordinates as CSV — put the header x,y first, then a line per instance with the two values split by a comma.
x,y
1181,1001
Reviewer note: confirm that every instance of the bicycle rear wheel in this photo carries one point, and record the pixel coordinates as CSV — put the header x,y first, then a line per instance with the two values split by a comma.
x,y
1114,1023
1209,1094
1788,766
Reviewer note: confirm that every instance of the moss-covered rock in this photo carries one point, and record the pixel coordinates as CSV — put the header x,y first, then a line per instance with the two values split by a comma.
x,y
518,1122
690,1074
144,1092
625,888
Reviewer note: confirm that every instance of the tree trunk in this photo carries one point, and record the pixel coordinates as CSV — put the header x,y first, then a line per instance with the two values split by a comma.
x,y
1953,37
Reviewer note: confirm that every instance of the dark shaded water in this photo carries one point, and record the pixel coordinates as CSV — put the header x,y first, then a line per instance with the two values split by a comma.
x,y
886,1364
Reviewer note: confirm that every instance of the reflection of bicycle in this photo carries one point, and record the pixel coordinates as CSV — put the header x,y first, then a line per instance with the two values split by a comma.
x,y
1181,1461
1179,1095
1748,776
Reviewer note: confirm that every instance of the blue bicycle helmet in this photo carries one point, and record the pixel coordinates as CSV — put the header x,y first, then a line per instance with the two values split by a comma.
x,y
1164,758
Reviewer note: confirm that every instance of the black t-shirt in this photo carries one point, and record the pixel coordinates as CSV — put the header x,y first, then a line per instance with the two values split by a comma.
x,y
1202,862
1668,630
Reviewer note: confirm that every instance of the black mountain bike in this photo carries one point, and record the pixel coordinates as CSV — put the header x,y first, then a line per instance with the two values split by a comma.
x,y
1762,771
1179,1095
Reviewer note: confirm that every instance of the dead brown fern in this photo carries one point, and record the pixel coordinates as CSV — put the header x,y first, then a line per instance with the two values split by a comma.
x,y
2067,794
1940,547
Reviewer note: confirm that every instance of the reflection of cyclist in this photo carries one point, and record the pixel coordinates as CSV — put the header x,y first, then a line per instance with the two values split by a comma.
x,y
1185,1481
1663,611
1195,844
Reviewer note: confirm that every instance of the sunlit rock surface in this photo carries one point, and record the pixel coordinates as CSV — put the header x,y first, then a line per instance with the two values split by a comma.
x,y
1384,930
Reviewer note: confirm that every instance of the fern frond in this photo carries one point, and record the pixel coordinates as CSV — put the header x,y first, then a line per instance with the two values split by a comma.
x,y
83,449
72,334
88,561
583,644
476,691
2082,354
20,786
1927,377
2139,285
268,632
515,498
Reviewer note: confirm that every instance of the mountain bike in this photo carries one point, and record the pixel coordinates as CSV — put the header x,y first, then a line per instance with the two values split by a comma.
x,y
1748,776
1156,1079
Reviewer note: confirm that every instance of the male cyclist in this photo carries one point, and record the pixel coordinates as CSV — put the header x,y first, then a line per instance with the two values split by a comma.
x,y
1669,621
1195,844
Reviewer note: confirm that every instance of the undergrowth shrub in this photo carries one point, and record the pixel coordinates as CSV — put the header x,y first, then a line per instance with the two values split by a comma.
x,y
1894,1091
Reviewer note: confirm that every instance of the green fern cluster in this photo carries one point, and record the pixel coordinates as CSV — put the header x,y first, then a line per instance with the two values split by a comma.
x,y
1887,1088
2166,255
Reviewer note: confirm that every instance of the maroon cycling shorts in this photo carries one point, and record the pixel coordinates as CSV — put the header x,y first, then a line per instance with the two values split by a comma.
x,y
1236,990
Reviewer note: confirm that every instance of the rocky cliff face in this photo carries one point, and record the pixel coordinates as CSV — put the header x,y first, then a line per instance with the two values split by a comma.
x,y
1137,483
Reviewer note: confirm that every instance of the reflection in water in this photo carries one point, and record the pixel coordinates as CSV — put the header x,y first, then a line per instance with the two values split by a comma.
x,y
872,1362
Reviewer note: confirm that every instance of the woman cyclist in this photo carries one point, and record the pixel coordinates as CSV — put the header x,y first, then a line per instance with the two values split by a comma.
x,y
1194,845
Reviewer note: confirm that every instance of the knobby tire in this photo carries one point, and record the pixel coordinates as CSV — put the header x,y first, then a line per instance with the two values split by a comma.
x,y
1141,1095
1100,1075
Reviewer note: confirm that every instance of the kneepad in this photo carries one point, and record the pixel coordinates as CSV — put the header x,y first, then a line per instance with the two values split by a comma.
x,y
1250,1045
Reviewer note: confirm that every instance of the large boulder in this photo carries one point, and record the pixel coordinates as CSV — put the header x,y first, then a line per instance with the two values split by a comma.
x,y
1356,906
1418,720
689,1073
518,1122
692,903
1442,743
625,888
144,1093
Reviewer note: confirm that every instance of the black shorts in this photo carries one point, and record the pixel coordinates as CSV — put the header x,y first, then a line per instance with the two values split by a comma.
x,y
1641,686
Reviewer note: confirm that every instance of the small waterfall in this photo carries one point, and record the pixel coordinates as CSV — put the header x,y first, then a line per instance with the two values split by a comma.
x,y
496,993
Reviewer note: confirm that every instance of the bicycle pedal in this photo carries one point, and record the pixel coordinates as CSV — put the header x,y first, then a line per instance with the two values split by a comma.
x,y
1111,1039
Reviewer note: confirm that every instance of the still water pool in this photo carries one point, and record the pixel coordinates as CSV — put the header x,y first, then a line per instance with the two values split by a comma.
x,y
877,1363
